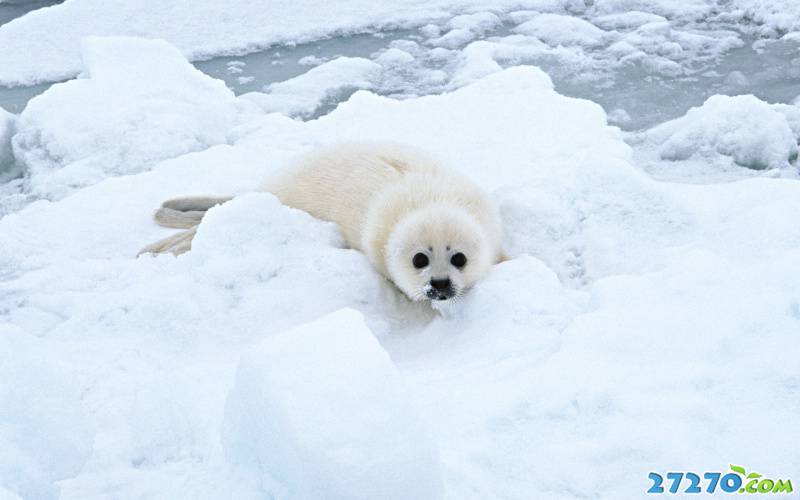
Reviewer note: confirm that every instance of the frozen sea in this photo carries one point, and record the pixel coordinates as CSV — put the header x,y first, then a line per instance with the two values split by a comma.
x,y
643,156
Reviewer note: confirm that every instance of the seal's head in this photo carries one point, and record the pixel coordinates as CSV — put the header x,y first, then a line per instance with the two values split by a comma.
x,y
437,253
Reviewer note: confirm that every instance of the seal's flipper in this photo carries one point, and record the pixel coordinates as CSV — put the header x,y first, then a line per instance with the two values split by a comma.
x,y
169,217
195,203
184,213
175,244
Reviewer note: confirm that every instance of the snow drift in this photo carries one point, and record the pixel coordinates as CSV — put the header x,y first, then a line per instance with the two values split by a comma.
x,y
753,133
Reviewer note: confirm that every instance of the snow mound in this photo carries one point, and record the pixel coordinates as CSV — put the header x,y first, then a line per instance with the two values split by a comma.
x,y
302,95
753,133
528,292
527,148
139,102
257,247
683,11
465,28
627,20
44,432
556,29
319,411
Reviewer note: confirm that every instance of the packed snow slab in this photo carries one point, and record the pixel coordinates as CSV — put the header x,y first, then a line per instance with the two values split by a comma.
x,y
138,102
319,411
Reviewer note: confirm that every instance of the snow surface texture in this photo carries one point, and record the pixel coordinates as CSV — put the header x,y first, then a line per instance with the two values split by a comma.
x,y
638,325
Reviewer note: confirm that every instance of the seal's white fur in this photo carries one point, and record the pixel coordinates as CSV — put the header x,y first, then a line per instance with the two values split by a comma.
x,y
390,202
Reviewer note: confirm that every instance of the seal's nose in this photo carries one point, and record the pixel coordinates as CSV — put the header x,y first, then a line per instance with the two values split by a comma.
x,y
440,285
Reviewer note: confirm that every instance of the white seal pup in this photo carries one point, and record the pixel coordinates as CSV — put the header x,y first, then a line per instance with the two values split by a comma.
x,y
428,229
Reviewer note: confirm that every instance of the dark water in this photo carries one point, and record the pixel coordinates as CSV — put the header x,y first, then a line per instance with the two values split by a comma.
x,y
12,10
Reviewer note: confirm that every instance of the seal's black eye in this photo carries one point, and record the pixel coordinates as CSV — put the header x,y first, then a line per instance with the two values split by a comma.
x,y
420,260
459,260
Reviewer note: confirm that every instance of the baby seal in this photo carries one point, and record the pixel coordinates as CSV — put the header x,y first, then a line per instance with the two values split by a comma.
x,y
428,229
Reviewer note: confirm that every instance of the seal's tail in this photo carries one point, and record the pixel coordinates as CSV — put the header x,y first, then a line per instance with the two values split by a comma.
x,y
182,213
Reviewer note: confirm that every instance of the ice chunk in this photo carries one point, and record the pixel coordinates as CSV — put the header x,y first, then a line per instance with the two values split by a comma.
x,y
311,60
45,436
393,57
319,411
465,28
751,132
618,115
478,22
556,29
627,20
770,16
476,61
139,102
685,10
302,95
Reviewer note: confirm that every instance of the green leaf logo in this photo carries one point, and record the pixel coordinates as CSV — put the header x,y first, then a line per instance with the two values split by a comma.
x,y
740,470
753,475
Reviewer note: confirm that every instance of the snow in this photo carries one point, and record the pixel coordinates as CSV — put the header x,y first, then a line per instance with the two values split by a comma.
x,y
302,95
751,132
320,411
634,318
138,102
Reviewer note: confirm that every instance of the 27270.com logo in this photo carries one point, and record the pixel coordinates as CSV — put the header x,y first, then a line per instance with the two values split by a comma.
x,y
736,481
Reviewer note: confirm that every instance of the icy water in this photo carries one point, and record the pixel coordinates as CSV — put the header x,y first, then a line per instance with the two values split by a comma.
x,y
771,74
252,72
13,10
634,97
